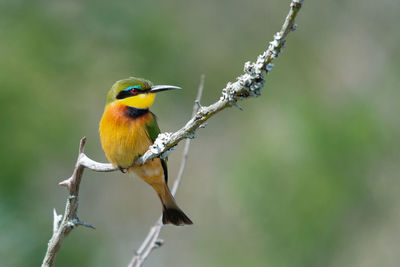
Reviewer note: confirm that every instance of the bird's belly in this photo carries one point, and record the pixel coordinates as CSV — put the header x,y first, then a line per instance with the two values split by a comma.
x,y
152,173
123,139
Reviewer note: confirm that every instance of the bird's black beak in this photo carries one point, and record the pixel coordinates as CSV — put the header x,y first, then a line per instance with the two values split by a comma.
x,y
160,88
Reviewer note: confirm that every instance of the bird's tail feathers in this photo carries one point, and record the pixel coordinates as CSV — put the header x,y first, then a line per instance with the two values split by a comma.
x,y
171,212
175,216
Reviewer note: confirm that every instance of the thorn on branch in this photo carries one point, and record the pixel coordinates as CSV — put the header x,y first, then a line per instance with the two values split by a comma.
x,y
88,225
82,145
66,183
199,106
237,105
203,125
56,221
76,222
158,243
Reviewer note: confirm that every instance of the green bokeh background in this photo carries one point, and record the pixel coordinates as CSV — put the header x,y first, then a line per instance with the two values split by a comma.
x,y
306,175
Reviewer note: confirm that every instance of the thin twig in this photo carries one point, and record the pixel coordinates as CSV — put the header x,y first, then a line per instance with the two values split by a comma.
x,y
151,241
247,85
196,107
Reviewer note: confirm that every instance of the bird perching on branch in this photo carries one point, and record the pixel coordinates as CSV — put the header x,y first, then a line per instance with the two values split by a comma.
x,y
128,128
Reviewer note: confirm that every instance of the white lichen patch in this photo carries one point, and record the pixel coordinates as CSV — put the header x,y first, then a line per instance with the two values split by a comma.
x,y
161,144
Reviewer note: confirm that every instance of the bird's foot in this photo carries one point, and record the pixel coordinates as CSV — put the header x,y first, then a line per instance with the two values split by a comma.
x,y
122,169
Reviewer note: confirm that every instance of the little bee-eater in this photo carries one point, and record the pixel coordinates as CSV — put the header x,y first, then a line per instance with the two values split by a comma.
x,y
128,128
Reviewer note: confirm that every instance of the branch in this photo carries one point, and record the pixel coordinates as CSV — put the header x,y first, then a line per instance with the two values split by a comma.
x,y
62,226
246,85
151,241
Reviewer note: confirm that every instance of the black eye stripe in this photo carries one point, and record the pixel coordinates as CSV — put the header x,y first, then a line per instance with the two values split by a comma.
x,y
124,94
132,92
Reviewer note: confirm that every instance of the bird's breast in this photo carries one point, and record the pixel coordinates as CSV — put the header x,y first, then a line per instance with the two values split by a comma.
x,y
123,138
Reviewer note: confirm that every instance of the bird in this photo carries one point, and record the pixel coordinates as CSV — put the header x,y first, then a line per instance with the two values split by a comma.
x,y
127,129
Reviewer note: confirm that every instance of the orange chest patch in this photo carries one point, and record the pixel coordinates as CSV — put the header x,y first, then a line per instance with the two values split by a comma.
x,y
123,138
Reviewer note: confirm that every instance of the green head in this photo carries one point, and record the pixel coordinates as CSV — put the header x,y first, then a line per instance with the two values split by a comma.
x,y
135,92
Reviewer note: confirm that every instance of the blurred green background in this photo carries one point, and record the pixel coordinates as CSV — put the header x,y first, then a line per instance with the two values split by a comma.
x,y
306,175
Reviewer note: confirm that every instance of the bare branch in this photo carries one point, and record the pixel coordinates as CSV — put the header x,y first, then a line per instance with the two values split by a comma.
x,y
151,241
62,227
247,85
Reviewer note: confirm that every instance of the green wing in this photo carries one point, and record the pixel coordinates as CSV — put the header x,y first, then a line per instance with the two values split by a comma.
x,y
152,127
153,131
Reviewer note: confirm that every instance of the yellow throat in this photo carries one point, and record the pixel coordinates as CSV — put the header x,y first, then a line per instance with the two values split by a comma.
x,y
138,101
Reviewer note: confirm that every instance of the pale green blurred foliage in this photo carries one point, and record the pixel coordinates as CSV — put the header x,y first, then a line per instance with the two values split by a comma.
x,y
306,175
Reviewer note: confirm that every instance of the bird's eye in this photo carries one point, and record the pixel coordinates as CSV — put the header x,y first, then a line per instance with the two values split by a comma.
x,y
134,91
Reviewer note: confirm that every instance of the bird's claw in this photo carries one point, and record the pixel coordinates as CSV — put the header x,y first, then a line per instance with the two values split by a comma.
x,y
122,169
